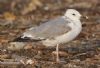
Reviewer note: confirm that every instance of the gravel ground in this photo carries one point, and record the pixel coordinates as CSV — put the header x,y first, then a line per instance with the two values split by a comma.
x,y
18,15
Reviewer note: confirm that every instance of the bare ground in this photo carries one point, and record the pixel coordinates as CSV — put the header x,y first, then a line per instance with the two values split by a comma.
x,y
17,16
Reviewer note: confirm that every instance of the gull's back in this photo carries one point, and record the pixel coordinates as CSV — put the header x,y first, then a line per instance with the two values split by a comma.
x,y
48,30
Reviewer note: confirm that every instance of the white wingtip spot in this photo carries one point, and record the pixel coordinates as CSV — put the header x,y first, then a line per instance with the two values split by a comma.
x,y
27,35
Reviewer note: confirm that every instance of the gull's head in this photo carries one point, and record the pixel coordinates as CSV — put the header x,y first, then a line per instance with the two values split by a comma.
x,y
73,14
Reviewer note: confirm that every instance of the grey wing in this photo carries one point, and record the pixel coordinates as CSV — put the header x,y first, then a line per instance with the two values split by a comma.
x,y
49,29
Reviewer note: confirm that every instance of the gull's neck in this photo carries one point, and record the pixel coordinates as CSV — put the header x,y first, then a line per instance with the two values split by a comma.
x,y
75,24
65,17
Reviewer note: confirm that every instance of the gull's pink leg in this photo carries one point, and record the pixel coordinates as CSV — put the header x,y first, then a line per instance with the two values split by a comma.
x,y
57,51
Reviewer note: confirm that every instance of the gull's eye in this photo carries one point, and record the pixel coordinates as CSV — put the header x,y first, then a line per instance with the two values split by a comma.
x,y
73,14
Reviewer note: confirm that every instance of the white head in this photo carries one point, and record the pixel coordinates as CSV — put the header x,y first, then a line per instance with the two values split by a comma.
x,y
73,14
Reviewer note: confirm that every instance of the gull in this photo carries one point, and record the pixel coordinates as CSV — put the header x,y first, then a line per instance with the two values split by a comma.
x,y
57,31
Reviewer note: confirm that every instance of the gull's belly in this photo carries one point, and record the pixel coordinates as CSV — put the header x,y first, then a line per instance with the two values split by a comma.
x,y
68,36
63,38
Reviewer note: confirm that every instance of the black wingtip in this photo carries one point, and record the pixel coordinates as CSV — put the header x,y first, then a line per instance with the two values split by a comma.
x,y
26,39
19,39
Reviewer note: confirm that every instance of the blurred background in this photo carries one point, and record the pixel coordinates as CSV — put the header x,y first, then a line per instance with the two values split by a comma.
x,y
18,15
